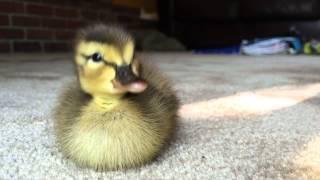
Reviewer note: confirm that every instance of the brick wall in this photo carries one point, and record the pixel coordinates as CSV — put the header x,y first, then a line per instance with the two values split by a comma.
x,y
49,25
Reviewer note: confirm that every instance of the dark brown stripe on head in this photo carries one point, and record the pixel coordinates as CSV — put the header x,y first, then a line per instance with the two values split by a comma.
x,y
101,33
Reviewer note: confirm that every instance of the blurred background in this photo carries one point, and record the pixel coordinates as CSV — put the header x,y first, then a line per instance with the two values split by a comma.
x,y
50,25
204,26
242,115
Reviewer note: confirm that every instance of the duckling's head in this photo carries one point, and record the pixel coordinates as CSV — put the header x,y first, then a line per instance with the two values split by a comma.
x,y
105,60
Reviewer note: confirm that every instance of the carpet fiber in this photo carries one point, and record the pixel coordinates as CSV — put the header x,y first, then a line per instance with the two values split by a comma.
x,y
241,118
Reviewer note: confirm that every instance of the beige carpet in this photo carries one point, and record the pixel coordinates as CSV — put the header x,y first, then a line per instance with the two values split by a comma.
x,y
242,118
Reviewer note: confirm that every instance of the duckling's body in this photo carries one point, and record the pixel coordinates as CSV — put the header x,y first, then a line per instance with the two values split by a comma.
x,y
107,131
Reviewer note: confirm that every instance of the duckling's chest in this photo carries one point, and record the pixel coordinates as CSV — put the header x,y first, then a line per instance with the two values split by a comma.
x,y
124,118
121,135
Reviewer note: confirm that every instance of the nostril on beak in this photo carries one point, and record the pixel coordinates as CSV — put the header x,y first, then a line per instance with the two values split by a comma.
x,y
125,75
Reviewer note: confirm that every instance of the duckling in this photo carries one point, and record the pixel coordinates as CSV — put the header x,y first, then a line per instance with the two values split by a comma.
x,y
120,112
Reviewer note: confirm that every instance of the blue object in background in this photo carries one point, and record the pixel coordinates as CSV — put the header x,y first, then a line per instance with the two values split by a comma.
x,y
269,46
224,50
266,46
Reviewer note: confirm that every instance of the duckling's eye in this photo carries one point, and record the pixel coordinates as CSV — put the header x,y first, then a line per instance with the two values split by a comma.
x,y
96,57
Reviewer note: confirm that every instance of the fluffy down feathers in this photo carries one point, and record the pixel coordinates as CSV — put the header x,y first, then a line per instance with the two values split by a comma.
x,y
128,135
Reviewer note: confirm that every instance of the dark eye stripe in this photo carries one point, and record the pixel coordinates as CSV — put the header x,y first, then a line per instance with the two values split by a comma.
x,y
88,57
109,64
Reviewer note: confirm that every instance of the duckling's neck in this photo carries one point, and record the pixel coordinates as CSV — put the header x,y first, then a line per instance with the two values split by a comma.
x,y
106,103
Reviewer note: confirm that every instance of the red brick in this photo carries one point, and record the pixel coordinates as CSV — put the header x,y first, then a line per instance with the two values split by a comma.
x,y
11,7
94,4
75,24
54,23
4,47
57,46
10,33
65,35
27,46
26,21
32,1
91,15
63,3
106,17
42,10
39,34
126,11
4,20
67,12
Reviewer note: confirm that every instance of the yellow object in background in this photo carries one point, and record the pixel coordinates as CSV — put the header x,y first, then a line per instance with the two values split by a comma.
x,y
307,48
311,47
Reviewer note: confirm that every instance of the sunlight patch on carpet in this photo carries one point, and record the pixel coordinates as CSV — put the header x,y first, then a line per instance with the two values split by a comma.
x,y
250,103
308,160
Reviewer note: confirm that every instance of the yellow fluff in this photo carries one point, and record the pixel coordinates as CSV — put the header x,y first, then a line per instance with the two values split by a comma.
x,y
119,113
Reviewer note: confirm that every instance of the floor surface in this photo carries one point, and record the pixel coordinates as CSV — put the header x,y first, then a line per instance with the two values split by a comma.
x,y
242,118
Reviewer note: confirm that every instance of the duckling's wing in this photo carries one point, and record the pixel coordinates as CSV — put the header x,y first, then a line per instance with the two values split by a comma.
x,y
69,104
159,99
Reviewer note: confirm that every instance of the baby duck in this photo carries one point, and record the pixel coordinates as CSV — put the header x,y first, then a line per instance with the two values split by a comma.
x,y
119,113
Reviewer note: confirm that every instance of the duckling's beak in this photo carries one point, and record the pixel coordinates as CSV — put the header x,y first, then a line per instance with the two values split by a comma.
x,y
127,81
